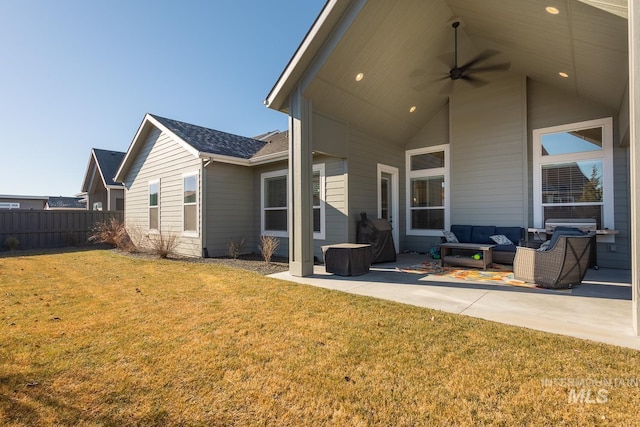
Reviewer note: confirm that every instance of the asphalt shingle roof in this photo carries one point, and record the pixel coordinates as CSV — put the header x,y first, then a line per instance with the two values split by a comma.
x,y
213,141
109,162
65,202
277,142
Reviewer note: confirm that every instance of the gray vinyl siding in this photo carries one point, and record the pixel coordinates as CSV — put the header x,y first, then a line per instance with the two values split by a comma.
x,y
488,128
365,152
163,158
548,107
335,203
230,208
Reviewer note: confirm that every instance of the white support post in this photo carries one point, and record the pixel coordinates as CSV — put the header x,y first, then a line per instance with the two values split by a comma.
x,y
634,133
300,186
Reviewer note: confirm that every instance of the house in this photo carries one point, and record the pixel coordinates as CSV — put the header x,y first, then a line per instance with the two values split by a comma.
x,y
9,201
101,191
469,112
208,188
64,203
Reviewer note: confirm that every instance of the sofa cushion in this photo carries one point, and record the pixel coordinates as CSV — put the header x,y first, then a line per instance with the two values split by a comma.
x,y
462,232
515,234
504,248
480,234
563,231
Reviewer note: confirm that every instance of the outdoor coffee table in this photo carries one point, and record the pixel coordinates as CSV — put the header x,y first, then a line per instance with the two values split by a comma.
x,y
446,252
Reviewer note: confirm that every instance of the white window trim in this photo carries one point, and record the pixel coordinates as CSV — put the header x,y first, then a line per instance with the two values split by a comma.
x,y
606,155
263,177
149,184
195,233
445,171
321,235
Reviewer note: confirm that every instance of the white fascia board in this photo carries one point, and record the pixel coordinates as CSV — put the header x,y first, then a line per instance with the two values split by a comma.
x,y
269,158
86,183
125,162
225,159
300,59
182,142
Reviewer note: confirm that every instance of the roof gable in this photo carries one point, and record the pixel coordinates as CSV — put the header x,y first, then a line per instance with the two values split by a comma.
x,y
211,141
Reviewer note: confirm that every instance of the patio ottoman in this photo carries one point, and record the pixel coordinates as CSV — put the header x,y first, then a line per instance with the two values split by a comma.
x,y
347,259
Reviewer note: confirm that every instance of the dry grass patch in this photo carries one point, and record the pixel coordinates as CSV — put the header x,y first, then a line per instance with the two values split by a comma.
x,y
96,338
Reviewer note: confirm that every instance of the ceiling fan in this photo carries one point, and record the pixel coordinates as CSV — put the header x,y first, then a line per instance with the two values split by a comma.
x,y
464,72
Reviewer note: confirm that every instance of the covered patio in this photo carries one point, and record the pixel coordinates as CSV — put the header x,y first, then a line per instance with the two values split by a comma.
x,y
596,310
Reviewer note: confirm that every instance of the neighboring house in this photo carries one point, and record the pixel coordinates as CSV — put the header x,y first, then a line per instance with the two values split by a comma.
x,y
101,191
458,146
64,203
209,187
8,201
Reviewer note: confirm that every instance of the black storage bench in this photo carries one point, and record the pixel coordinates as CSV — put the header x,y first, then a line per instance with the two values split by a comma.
x,y
347,259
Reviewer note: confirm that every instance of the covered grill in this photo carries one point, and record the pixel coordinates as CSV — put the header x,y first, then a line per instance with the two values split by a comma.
x,y
378,234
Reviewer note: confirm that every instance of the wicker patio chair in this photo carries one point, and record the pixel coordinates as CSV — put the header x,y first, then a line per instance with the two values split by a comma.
x,y
561,266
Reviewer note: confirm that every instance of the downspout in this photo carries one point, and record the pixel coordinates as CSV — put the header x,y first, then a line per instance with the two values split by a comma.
x,y
203,206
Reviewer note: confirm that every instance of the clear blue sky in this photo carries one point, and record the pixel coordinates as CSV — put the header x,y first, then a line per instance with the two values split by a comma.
x,y
77,74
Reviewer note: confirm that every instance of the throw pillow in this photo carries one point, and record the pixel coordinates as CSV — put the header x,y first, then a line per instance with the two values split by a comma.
x,y
501,239
544,246
450,237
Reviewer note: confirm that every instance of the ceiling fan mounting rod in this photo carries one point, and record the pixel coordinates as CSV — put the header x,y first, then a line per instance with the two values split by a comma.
x,y
455,26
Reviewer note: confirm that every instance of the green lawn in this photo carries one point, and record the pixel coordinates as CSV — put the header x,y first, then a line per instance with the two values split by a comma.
x,y
97,338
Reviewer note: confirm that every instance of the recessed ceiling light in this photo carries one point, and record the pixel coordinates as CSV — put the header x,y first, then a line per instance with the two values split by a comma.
x,y
359,76
552,10
563,74
412,109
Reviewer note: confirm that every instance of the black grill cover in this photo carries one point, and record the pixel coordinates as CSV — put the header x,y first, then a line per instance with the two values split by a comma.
x,y
377,233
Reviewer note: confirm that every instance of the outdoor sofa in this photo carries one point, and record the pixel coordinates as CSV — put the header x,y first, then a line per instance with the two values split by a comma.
x,y
481,234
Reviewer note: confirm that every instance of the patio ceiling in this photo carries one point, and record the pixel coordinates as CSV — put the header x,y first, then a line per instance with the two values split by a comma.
x,y
405,48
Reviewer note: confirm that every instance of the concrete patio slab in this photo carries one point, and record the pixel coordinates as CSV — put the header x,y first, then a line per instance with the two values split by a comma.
x,y
598,310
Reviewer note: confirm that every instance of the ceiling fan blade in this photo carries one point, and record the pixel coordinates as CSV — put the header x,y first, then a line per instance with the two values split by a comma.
x,y
474,81
496,67
489,53
425,84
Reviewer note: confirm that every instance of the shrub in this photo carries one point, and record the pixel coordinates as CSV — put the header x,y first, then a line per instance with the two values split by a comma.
x,y
11,243
234,248
268,246
163,244
113,233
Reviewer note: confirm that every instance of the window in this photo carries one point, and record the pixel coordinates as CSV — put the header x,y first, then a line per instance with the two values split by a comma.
x,y
275,198
9,205
428,194
318,202
190,203
154,205
573,172
274,203
97,206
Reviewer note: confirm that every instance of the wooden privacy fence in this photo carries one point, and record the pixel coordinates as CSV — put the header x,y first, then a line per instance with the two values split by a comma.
x,y
50,229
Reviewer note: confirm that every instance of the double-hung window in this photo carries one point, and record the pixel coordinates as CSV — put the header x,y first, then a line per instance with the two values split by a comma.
x,y
274,203
573,172
154,205
190,203
274,195
427,190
